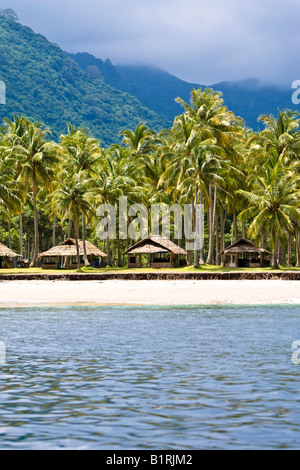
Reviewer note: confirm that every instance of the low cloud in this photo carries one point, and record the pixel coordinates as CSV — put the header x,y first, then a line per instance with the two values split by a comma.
x,y
198,40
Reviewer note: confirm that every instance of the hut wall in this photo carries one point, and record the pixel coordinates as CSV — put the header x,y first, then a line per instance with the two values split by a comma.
x,y
161,265
135,264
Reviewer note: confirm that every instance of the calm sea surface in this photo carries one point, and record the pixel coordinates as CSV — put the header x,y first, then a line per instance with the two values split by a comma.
x,y
150,378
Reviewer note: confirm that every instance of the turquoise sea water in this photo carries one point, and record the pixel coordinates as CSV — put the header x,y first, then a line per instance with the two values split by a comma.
x,y
150,378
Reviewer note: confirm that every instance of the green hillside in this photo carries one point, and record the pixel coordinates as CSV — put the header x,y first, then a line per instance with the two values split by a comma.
x,y
43,83
153,87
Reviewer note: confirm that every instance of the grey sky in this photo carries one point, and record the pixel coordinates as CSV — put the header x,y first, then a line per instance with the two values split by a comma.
x,y
202,41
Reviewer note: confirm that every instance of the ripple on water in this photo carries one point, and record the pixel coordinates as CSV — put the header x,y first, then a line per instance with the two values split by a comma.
x,y
149,378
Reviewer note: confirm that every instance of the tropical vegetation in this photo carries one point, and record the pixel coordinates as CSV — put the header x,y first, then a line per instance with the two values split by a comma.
x,y
248,182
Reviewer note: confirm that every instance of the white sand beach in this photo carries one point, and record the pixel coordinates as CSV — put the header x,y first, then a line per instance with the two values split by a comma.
x,y
150,292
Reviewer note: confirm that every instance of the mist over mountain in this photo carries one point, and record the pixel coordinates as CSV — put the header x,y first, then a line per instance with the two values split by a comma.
x,y
157,89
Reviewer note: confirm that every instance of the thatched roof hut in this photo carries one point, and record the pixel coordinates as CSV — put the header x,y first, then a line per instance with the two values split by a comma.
x,y
155,245
242,246
245,253
68,248
6,252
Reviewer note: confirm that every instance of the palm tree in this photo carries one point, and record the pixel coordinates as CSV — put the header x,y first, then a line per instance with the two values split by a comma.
x,y
36,158
139,142
116,177
82,154
273,202
71,199
10,196
207,111
281,135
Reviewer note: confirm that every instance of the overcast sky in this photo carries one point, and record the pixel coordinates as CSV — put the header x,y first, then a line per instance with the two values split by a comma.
x,y
201,41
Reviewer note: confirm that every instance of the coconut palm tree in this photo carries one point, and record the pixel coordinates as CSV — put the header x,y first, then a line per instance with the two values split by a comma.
x,y
139,141
116,177
273,202
36,158
71,200
181,156
82,154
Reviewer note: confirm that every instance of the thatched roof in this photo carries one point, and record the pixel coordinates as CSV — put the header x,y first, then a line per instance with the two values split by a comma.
x,y
155,244
242,246
68,248
7,252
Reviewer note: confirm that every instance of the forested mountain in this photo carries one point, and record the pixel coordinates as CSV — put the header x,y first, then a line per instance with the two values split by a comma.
x,y
43,83
157,89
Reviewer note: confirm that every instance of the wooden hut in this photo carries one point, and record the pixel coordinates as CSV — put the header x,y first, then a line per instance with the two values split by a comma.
x,y
244,254
7,257
65,255
163,253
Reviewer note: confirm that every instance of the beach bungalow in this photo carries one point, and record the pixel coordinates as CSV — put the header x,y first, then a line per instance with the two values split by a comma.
x,y
161,251
7,257
65,255
244,254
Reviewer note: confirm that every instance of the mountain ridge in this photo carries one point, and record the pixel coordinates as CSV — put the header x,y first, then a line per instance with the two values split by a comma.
x,y
157,89
44,84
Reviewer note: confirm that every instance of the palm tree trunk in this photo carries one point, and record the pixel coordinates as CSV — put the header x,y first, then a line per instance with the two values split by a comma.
x,y
76,227
275,259
243,229
209,220
217,242
108,249
289,250
297,249
9,233
36,227
53,230
119,250
196,222
202,234
86,261
222,229
21,234
234,228
213,210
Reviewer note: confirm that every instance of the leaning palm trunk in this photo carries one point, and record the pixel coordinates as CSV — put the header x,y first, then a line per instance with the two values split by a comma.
x,y
36,228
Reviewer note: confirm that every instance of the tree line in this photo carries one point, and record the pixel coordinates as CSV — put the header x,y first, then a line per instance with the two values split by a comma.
x,y
247,181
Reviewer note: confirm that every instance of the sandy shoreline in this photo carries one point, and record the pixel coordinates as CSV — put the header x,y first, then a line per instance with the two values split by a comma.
x,y
160,292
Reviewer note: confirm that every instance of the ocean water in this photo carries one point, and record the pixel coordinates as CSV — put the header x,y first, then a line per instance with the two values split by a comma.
x,y
213,377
